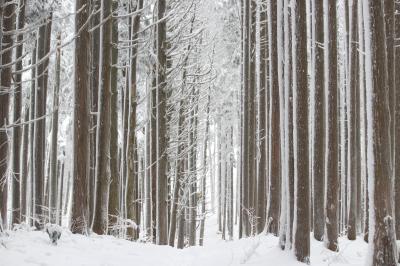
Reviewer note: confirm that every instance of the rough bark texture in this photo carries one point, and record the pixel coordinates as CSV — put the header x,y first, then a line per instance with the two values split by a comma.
x,y
81,161
16,145
354,162
53,178
274,171
301,235
384,243
5,84
397,118
331,163
262,166
113,204
162,178
318,159
100,222
132,190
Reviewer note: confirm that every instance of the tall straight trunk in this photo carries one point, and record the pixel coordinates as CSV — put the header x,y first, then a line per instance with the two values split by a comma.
x,y
331,127
24,165
81,160
32,98
53,187
275,171
246,118
60,194
5,84
113,204
301,224
180,168
94,100
193,169
204,177
382,233
354,163
252,109
318,159
16,145
397,122
40,127
262,112
148,187
103,174
132,190
162,178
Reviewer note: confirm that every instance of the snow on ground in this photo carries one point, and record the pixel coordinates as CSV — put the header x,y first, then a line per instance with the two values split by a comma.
x,y
24,247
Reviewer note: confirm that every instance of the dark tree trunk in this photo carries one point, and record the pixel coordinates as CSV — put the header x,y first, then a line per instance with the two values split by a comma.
x,y
81,160
318,165
113,205
301,234
16,146
5,83
275,171
100,222
331,163
384,242
133,187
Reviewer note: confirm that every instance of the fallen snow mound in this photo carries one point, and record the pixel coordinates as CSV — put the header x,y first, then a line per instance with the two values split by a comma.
x,y
25,247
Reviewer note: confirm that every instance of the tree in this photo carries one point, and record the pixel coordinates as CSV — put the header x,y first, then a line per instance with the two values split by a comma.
x,y
16,145
162,179
274,171
301,224
132,196
318,156
53,187
397,122
81,161
263,136
100,223
113,203
382,233
354,127
331,143
5,83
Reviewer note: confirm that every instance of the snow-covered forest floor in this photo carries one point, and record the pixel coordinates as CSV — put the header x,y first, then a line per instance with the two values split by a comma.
x,y
24,247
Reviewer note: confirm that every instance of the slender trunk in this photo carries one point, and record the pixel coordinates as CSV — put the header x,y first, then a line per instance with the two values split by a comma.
x,y
354,126
16,148
114,210
81,159
331,127
54,139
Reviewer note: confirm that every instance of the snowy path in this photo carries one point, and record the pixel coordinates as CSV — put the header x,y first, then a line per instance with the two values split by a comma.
x,y
34,248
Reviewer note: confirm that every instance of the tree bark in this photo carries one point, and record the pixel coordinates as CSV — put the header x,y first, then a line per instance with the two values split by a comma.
x,y
331,143
383,235
133,195
100,223
81,160
16,145
114,210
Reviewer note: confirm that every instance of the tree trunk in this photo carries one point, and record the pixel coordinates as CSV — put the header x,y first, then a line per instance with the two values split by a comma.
x,y
275,171
301,224
5,83
53,187
114,210
331,143
100,223
16,148
81,160
162,178
397,122
384,250
354,134
132,190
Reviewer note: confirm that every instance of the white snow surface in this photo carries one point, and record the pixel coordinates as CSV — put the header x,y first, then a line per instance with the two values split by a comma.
x,y
24,247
